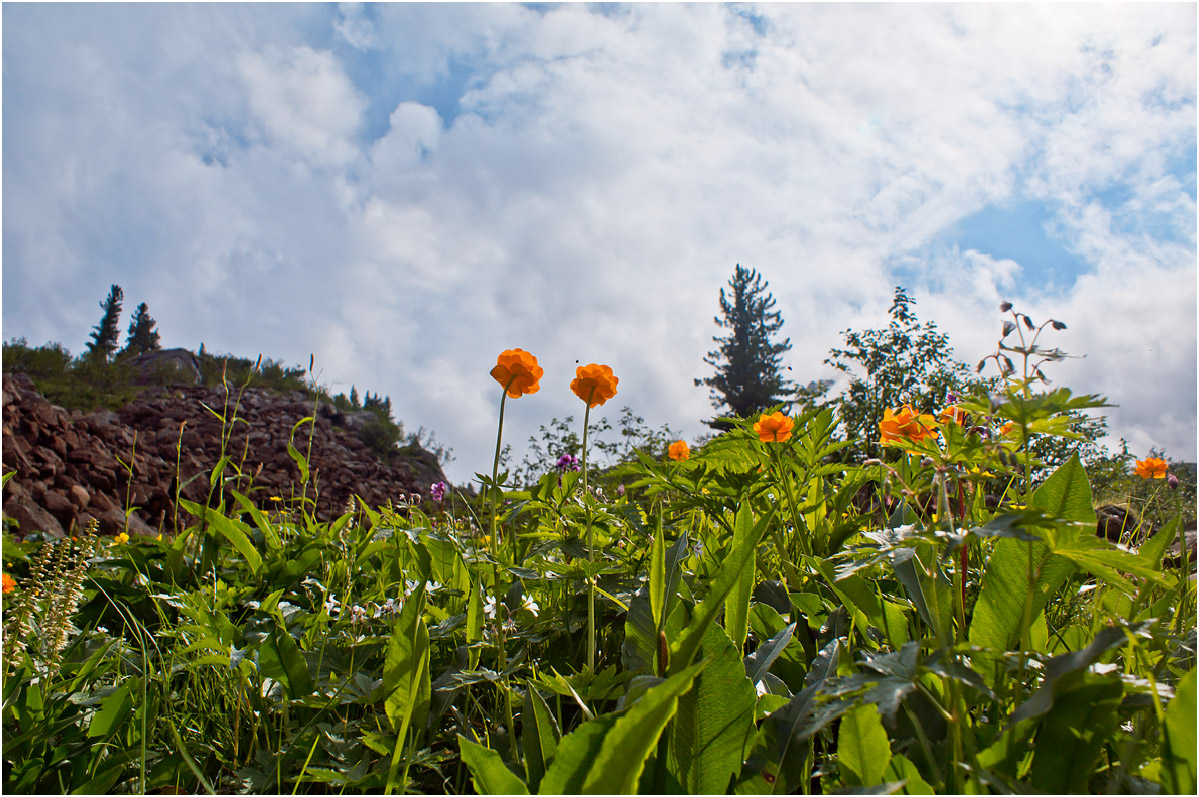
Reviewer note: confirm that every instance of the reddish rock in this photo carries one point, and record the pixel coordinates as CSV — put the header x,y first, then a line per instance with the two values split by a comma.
x,y
78,496
75,457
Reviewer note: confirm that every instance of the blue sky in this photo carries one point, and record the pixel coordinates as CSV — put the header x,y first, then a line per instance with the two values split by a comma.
x,y
405,190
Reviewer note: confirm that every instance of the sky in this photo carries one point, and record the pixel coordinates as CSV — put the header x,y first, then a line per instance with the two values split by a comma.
x,y
405,190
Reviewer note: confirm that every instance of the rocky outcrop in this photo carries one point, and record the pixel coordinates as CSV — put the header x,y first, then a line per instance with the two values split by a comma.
x,y
71,466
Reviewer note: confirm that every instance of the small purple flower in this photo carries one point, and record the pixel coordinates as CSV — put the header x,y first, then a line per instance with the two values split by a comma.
x,y
438,491
567,462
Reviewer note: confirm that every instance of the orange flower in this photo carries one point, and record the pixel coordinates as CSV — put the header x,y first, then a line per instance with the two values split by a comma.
x,y
1008,428
905,424
594,383
517,372
953,414
680,450
10,583
775,428
1151,468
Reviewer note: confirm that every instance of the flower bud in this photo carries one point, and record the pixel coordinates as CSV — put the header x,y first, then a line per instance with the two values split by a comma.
x,y
1057,324
1171,481
1003,308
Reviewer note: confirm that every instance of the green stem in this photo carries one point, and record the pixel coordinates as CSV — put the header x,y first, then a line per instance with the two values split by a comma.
x,y
787,564
590,546
495,470
497,585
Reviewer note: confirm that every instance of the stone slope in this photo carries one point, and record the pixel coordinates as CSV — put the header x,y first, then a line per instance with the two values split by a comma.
x,y
71,466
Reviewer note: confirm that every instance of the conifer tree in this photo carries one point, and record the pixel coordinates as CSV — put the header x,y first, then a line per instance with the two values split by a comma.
x,y
749,371
107,333
143,337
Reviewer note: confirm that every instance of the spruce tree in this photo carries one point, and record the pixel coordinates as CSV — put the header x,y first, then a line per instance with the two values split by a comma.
x,y
143,337
749,370
107,333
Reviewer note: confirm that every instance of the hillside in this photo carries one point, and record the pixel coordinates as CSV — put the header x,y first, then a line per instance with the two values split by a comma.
x,y
163,444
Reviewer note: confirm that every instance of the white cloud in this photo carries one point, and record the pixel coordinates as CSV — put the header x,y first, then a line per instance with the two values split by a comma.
x,y
597,176
305,101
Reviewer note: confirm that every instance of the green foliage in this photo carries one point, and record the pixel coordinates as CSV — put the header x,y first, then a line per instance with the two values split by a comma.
x,y
906,363
143,337
749,376
104,336
772,618
561,437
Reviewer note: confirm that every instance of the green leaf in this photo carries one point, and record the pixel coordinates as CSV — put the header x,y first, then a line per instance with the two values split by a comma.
x,y
854,592
622,755
488,770
280,658
999,609
657,577
929,590
714,720
736,605
232,530
683,649
539,736
1082,720
1104,560
474,621
112,712
1068,664
776,764
1154,548
863,749
640,652
260,520
298,458
1066,494
406,686
576,751
446,564
900,769
1178,757
757,664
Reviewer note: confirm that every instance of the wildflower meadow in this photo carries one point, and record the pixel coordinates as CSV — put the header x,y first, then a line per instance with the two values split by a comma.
x,y
751,613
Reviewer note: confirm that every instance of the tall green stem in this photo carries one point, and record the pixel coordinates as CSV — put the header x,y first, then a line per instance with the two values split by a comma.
x,y
590,546
499,601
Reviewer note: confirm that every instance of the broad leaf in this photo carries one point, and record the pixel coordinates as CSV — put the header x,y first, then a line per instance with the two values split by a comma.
x,y
863,749
682,651
1082,720
406,685
539,736
714,720
617,766
1178,759
488,770
736,605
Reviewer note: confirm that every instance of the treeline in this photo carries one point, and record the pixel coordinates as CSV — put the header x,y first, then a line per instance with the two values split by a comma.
x,y
103,376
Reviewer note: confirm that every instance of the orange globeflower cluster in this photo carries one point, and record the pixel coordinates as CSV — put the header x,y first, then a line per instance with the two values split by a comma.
x,y
680,450
10,583
1152,468
517,372
774,428
906,424
594,383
